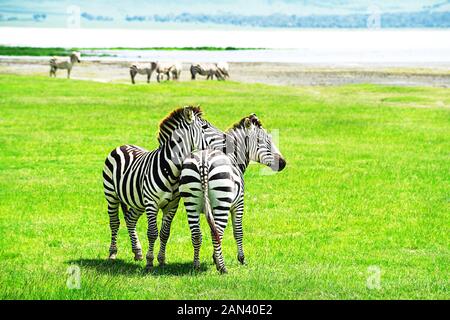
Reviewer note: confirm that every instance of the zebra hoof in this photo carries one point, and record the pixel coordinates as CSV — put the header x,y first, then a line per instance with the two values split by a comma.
x,y
148,268
196,265
162,262
138,255
223,270
214,258
112,256
241,259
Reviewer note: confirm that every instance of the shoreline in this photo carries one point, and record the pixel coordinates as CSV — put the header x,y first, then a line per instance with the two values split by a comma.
x,y
273,73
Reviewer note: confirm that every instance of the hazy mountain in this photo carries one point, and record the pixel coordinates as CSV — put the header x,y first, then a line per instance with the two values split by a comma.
x,y
225,13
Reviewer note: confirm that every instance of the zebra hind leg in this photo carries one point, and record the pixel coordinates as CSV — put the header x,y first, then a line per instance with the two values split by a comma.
x,y
236,218
114,223
131,219
196,235
221,219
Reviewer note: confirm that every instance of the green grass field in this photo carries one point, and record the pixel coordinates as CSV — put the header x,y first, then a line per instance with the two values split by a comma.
x,y
366,187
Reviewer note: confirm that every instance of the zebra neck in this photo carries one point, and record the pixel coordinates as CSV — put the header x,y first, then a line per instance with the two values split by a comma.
x,y
172,158
237,151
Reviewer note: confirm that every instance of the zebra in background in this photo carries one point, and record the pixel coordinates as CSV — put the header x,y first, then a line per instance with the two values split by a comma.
x,y
146,69
224,69
161,68
206,69
167,69
56,64
145,181
213,182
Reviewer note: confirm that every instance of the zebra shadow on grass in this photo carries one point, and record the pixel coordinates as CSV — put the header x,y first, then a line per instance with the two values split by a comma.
x,y
123,267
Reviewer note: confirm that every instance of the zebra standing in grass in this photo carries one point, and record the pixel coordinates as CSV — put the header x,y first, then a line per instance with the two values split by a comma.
x,y
161,68
206,69
213,182
224,69
146,181
167,69
145,69
56,64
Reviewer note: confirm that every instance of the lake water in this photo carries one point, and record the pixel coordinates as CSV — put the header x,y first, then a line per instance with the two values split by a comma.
x,y
416,47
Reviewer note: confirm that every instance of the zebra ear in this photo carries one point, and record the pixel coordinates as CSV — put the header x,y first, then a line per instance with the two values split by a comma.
x,y
188,114
247,123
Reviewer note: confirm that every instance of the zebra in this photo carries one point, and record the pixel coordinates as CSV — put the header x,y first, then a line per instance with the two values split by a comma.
x,y
145,181
167,69
141,69
207,69
56,63
161,68
213,182
224,69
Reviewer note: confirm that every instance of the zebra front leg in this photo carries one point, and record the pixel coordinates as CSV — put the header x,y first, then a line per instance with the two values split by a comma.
x,y
236,218
148,77
164,234
132,75
151,211
114,223
131,219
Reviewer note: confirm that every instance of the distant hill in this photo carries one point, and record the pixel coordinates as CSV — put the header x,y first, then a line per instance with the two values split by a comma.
x,y
224,13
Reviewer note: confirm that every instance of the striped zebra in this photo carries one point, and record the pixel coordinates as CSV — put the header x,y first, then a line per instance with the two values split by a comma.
x,y
145,69
213,182
161,68
145,181
224,69
56,64
167,69
206,69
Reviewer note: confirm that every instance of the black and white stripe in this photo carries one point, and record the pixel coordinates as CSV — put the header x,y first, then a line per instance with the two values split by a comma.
x,y
146,181
213,182
57,63
207,69
144,69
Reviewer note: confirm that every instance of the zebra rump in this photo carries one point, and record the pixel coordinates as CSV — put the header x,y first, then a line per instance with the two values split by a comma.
x,y
207,185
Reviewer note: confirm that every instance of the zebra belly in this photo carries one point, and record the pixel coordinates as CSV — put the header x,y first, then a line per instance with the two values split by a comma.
x,y
143,71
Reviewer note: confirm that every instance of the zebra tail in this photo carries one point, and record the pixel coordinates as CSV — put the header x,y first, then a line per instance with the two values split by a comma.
x,y
208,210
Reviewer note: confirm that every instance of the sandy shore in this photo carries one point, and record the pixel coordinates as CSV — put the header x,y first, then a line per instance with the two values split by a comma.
x,y
269,73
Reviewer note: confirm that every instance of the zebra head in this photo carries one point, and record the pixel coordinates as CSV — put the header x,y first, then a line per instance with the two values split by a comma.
x,y
184,131
75,57
260,145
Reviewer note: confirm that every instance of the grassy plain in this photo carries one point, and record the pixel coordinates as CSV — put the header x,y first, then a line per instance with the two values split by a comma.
x,y
366,190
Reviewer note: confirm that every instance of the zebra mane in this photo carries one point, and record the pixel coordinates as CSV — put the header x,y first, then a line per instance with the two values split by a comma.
x,y
253,118
169,123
